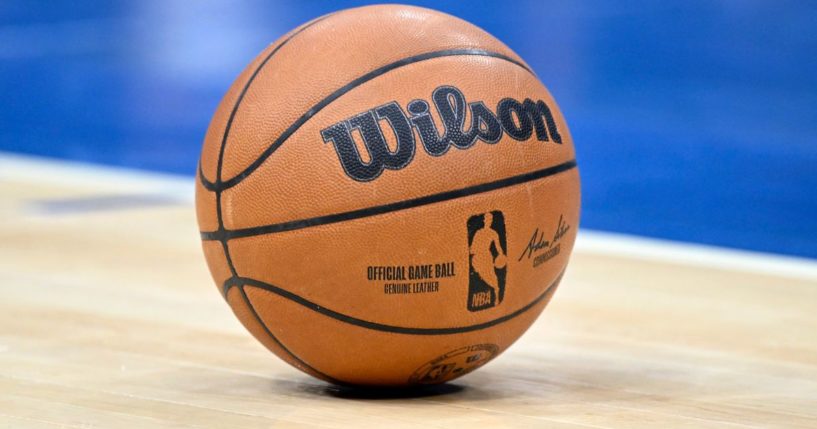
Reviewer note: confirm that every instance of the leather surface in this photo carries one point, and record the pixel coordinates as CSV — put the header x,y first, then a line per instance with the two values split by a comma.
x,y
311,296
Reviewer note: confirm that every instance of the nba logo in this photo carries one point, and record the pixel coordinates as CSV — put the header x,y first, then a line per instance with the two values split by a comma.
x,y
486,259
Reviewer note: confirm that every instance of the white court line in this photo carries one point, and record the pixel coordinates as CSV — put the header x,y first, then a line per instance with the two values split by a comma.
x,y
653,249
119,180
123,180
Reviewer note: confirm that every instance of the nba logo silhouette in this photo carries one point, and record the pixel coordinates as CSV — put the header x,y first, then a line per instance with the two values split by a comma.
x,y
486,259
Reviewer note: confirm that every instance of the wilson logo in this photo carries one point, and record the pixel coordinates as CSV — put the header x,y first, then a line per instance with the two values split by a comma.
x,y
519,120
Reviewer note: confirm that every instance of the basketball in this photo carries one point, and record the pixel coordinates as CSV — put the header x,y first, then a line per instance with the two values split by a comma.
x,y
387,196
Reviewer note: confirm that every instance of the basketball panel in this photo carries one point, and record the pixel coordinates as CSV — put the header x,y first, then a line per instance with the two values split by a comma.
x,y
306,177
440,253
211,148
206,208
216,262
362,356
320,60
246,313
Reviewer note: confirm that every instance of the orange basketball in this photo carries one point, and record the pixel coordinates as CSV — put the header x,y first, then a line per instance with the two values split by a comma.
x,y
387,196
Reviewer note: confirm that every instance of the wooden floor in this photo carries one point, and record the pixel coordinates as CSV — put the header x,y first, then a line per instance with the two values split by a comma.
x,y
109,319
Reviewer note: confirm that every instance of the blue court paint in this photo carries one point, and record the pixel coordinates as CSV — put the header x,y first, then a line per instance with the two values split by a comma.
x,y
693,120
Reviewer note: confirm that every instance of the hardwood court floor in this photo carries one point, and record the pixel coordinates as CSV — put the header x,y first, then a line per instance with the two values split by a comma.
x,y
109,319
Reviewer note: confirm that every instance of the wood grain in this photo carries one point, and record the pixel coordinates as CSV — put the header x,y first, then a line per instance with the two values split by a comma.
x,y
110,319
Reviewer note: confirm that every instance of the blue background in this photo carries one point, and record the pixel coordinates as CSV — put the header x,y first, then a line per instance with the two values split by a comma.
x,y
693,120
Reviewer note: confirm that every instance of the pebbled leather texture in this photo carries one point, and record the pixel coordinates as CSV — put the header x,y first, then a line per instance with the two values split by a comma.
x,y
417,274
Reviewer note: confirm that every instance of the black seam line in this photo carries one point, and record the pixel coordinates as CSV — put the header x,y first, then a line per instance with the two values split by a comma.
x,y
210,186
238,101
218,191
386,208
243,281
279,343
224,245
343,90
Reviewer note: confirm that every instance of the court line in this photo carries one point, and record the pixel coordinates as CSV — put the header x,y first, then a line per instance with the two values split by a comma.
x,y
701,255
107,179
24,168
